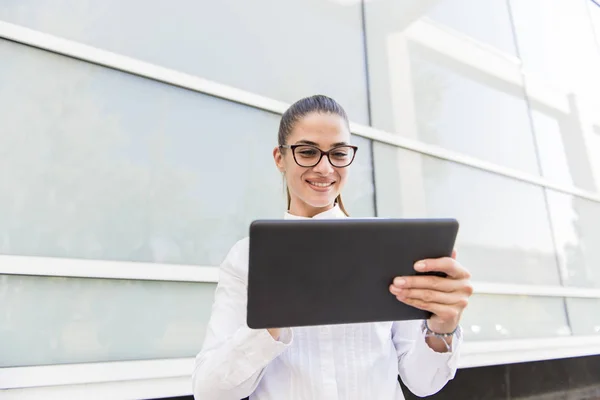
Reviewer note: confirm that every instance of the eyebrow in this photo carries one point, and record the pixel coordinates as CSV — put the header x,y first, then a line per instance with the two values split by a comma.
x,y
310,143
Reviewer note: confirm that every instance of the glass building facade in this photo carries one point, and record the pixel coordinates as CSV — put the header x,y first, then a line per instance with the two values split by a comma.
x,y
135,149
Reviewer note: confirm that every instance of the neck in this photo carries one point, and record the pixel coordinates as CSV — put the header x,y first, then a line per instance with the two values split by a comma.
x,y
301,209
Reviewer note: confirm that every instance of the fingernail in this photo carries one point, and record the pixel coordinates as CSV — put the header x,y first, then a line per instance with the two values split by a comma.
x,y
420,266
395,289
399,282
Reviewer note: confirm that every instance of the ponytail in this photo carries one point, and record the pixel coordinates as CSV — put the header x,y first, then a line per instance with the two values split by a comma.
x,y
338,201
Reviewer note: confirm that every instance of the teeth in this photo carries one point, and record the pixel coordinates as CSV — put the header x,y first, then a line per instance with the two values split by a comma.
x,y
320,184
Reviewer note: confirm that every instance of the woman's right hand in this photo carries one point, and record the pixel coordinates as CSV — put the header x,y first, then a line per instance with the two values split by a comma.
x,y
275,333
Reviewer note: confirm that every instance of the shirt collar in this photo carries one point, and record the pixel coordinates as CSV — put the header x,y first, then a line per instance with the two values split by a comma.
x,y
332,213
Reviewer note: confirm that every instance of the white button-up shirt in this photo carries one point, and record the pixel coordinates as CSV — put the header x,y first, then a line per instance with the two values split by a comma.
x,y
352,361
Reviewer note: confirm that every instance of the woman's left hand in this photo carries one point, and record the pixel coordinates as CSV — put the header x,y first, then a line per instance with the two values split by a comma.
x,y
446,297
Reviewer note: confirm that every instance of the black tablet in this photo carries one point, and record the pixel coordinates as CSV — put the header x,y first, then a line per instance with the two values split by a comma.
x,y
323,272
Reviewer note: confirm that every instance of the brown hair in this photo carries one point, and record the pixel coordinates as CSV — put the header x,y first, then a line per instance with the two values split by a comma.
x,y
298,110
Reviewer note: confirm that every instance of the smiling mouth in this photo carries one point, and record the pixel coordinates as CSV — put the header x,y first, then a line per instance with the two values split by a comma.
x,y
320,184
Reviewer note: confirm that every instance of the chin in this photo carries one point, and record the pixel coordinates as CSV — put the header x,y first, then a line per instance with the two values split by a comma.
x,y
320,203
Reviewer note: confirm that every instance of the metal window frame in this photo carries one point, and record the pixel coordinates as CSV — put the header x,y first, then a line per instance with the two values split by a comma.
x,y
101,269
79,268
126,390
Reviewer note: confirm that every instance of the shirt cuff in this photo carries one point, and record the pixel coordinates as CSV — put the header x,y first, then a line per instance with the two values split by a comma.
x,y
255,348
286,336
450,358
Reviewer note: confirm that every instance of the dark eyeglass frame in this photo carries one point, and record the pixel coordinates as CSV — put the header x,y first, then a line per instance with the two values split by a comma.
x,y
293,147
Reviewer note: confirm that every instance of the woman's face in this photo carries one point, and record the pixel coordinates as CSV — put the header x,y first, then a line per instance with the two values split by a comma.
x,y
314,189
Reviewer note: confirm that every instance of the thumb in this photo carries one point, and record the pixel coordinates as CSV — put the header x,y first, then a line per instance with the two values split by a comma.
x,y
454,254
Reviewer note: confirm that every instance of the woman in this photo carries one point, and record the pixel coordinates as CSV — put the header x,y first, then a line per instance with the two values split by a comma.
x,y
355,361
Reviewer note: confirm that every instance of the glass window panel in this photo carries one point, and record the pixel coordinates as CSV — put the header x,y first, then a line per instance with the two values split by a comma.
x,y
584,316
486,21
504,234
558,49
469,116
101,164
566,147
594,10
284,49
495,317
553,154
492,24
420,93
593,148
556,42
576,228
78,320
359,192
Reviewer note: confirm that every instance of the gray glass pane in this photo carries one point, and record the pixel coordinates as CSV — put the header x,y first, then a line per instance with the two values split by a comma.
x,y
577,233
556,42
594,10
593,147
104,165
487,21
469,116
504,235
359,192
285,49
558,50
584,316
49,320
569,151
441,99
493,317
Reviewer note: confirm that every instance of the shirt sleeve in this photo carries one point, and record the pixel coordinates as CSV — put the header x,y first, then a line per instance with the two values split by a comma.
x,y
233,358
423,370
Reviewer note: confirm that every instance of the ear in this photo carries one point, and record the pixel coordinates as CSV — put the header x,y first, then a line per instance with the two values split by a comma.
x,y
278,157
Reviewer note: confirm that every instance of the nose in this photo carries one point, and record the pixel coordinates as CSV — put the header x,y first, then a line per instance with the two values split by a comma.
x,y
324,167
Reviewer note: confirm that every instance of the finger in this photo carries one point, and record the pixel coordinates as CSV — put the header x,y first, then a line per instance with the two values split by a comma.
x,y
444,311
448,265
429,282
454,254
430,296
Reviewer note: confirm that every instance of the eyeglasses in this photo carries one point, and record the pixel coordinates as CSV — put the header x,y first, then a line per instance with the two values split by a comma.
x,y
309,156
